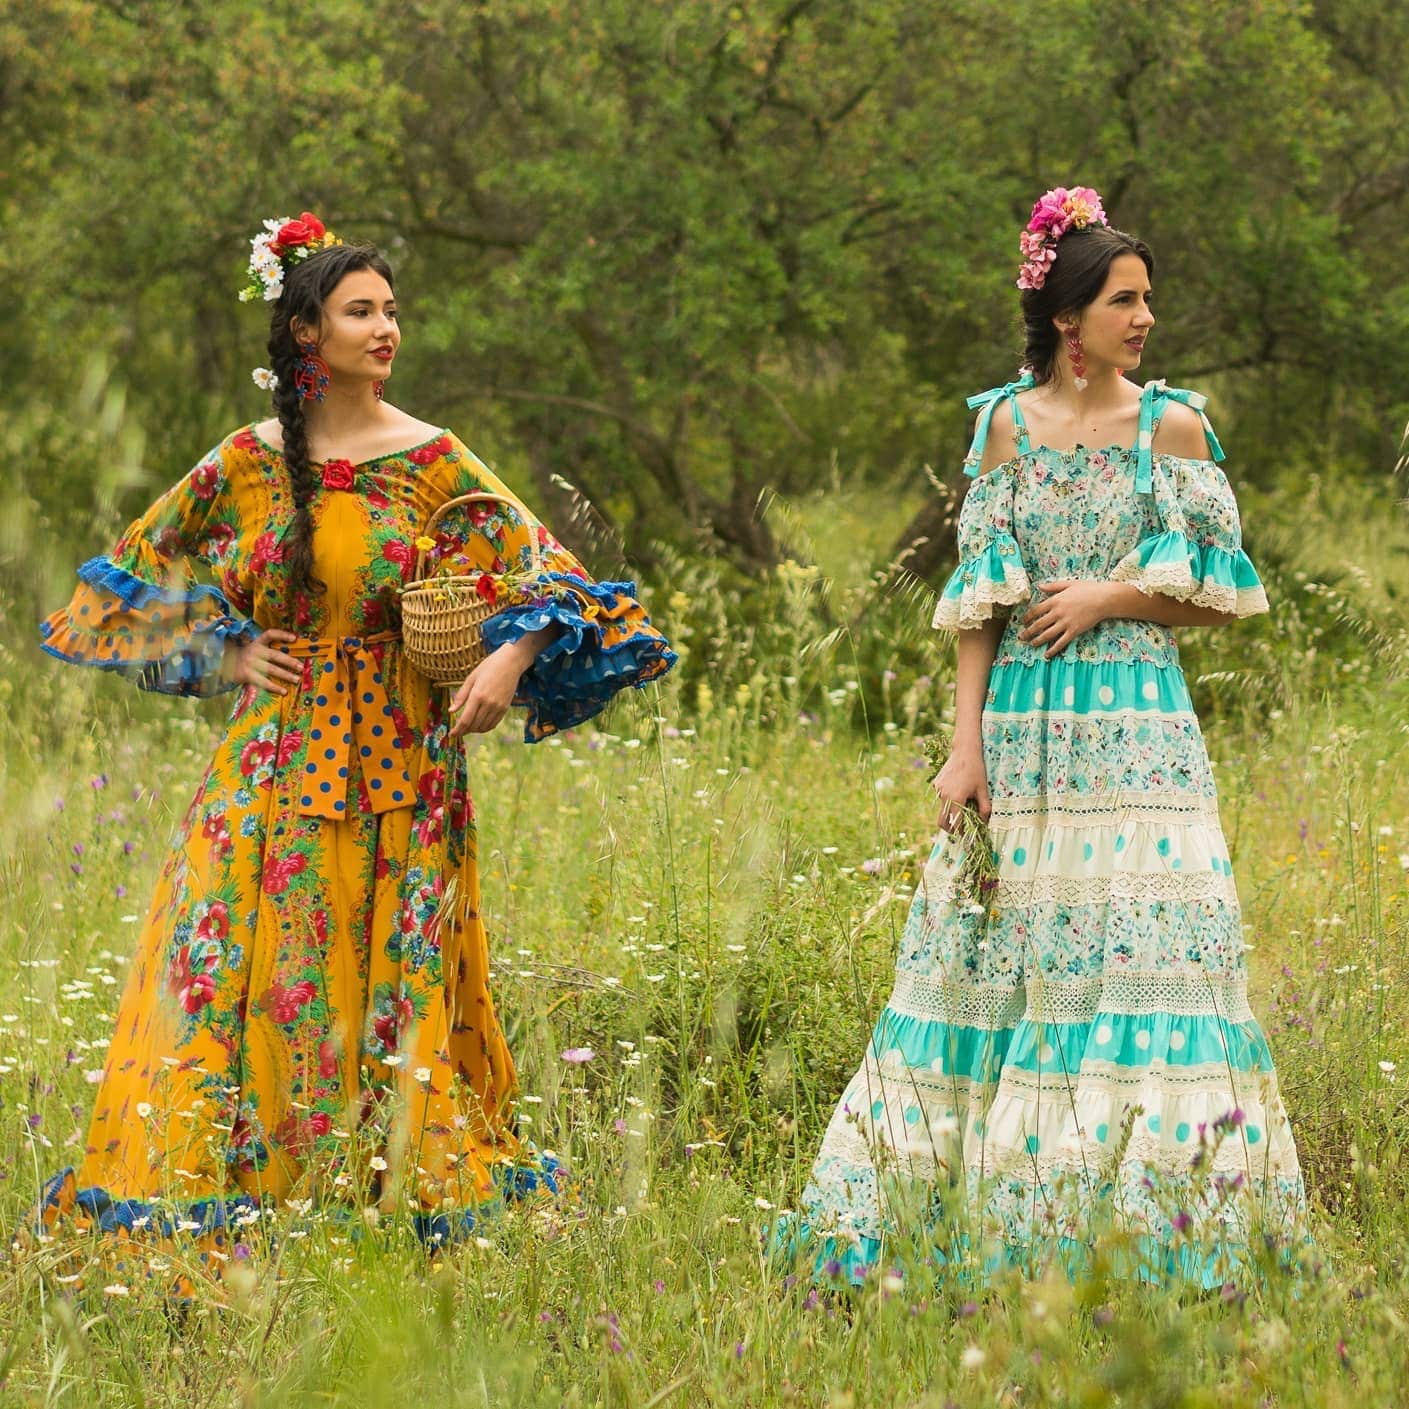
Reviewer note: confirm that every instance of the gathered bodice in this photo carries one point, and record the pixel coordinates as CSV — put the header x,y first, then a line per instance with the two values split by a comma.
x,y
1076,515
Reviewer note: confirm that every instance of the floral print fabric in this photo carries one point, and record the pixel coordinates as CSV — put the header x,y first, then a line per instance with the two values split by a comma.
x,y
1077,1053
312,976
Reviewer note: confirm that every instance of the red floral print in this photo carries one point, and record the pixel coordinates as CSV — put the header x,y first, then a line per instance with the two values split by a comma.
x,y
338,474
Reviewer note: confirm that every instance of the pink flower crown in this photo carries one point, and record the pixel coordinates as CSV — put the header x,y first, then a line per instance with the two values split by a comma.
x,y
1057,212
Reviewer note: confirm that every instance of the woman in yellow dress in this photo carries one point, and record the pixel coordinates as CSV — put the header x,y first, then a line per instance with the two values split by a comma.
x,y
308,1013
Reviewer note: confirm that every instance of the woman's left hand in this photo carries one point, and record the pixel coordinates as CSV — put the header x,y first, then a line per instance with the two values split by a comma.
x,y
488,690
1071,608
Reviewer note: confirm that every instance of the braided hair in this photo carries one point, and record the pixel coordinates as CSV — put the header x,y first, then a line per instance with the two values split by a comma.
x,y
1075,279
307,285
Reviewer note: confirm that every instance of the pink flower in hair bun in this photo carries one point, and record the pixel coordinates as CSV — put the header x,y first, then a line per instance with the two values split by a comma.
x,y
1054,214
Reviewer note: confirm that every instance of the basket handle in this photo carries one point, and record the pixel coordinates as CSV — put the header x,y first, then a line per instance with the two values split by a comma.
x,y
481,498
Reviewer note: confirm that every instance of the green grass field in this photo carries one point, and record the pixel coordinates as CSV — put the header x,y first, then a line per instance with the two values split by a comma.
x,y
703,857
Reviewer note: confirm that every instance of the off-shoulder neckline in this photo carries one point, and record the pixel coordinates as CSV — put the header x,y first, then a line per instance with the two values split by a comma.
x,y
359,464
1034,452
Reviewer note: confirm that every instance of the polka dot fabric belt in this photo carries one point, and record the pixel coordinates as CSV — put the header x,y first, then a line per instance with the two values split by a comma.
x,y
350,711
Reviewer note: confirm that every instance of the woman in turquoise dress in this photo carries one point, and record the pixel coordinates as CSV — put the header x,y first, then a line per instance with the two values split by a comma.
x,y
1068,1050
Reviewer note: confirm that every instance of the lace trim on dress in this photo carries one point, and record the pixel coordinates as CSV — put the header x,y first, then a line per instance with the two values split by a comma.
x,y
1041,999
1181,886
982,593
1104,810
1175,579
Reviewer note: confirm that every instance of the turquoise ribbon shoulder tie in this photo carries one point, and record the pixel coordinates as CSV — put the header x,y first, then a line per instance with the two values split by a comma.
x,y
1158,391
989,402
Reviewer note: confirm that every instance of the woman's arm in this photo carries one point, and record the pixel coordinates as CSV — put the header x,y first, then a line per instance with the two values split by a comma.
x,y
1126,600
488,690
963,777
1070,608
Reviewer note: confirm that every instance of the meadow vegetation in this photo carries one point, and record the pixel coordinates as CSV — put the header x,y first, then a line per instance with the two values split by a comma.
x,y
706,891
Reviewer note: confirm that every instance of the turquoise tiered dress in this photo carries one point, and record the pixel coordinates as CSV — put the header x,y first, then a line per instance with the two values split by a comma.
x,y
1077,1059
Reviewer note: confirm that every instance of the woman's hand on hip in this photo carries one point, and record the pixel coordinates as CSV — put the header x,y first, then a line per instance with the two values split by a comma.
x,y
962,780
262,664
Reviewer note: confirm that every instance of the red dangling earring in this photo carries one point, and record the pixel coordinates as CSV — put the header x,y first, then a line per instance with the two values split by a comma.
x,y
1078,363
379,390
311,373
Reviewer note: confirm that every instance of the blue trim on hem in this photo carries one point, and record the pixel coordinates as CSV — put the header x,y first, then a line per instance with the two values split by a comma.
x,y
846,1262
217,1213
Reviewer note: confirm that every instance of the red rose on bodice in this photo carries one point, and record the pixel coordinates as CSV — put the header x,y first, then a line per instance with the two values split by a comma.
x,y
267,549
338,474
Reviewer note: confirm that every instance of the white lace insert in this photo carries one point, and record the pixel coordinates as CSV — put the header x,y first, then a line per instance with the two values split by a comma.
x,y
969,1004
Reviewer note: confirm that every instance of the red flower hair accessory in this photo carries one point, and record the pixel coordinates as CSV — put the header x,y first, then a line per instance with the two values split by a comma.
x,y
1057,212
283,241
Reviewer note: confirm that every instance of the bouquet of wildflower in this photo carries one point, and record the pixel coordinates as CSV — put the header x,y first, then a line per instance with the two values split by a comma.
x,y
976,879
499,586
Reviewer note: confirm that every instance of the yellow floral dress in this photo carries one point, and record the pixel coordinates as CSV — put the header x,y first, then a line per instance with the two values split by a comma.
x,y
310,990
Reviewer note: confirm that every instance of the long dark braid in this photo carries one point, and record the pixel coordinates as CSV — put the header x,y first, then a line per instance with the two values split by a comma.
x,y
307,285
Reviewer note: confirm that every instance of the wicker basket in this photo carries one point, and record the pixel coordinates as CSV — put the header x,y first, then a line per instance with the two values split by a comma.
x,y
442,618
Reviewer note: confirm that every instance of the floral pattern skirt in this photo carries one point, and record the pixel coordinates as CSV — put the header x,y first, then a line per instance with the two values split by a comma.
x,y
308,1013
1075,1056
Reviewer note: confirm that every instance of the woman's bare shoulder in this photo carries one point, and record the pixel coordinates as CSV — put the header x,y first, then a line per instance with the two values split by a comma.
x,y
1181,432
1002,443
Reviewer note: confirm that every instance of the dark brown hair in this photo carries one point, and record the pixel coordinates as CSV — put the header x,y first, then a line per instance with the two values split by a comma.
x,y
1074,280
307,285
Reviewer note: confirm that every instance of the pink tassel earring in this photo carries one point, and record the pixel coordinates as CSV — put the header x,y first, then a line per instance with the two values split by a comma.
x,y
1078,361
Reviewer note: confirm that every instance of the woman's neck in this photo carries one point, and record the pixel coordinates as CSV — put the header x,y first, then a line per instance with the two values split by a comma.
x,y
1105,386
344,412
